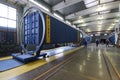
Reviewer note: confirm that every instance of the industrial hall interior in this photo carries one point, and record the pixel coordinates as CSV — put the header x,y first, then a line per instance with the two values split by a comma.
x,y
59,39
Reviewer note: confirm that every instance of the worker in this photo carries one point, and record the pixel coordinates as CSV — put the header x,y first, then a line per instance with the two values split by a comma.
x,y
107,43
97,43
85,43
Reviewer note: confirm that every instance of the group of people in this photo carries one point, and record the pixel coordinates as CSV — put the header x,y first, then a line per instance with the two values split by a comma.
x,y
98,42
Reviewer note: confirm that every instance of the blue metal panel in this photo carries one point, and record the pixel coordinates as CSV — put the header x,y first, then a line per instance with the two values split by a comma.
x,y
31,28
112,39
62,33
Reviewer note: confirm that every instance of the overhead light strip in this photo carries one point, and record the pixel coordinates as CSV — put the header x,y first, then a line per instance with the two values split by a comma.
x,y
58,16
40,5
68,22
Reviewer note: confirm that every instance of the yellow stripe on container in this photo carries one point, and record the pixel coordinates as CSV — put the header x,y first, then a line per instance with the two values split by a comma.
x,y
47,29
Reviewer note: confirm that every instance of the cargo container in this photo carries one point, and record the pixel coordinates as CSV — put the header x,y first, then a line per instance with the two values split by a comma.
x,y
56,31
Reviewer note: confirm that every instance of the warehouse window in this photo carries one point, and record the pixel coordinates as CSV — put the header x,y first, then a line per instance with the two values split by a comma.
x,y
7,16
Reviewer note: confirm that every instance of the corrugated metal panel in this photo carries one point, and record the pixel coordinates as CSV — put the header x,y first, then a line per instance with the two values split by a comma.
x,y
31,28
57,31
62,33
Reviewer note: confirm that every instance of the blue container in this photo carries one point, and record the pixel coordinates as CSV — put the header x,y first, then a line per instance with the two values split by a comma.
x,y
112,39
59,31
31,28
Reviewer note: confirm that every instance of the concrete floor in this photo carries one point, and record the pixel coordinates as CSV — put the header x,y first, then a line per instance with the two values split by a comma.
x,y
91,63
87,64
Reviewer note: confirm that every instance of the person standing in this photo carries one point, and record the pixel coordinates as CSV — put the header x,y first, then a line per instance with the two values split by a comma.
x,y
107,43
85,43
97,43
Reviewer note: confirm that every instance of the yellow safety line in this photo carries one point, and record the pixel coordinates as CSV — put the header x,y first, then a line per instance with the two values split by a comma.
x,y
114,68
5,58
51,69
28,67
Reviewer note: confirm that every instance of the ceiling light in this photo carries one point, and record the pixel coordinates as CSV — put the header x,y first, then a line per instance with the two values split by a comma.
x,y
92,4
88,1
83,24
93,14
105,34
104,1
58,16
88,30
74,26
80,21
110,27
113,24
104,12
100,17
116,20
100,22
40,5
68,22
99,28
101,7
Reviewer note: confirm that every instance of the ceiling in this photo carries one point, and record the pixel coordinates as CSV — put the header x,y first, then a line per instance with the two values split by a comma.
x,y
88,15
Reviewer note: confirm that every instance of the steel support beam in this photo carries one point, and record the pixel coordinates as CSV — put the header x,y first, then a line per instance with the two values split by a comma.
x,y
64,4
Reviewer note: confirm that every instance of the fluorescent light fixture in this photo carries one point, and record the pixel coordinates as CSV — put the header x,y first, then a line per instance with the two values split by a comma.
x,y
83,24
100,17
88,1
105,34
92,4
116,20
58,16
100,22
80,21
68,22
93,14
113,24
40,5
74,26
104,12
104,1
88,30
101,7
110,27
100,26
